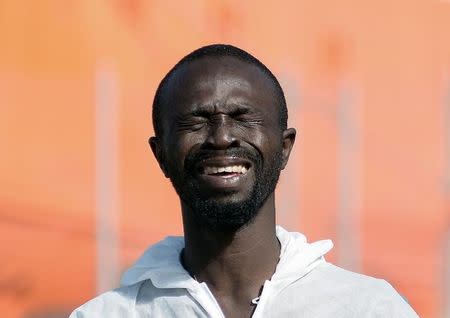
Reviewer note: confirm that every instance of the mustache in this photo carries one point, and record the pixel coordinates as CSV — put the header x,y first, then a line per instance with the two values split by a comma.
x,y
202,154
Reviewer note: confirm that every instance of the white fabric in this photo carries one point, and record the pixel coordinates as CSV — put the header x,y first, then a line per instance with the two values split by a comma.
x,y
303,285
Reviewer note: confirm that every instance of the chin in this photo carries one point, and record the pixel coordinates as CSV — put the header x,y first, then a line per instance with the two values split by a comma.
x,y
229,199
225,214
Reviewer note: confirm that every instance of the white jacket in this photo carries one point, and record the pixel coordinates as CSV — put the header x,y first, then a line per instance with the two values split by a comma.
x,y
303,285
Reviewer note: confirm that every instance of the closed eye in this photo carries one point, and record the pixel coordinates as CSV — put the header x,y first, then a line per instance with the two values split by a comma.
x,y
193,123
240,111
201,113
244,116
250,122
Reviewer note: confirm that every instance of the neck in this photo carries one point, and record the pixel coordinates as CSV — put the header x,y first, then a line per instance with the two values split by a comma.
x,y
233,261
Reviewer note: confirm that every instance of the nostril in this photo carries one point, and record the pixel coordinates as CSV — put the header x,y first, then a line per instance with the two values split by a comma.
x,y
222,137
235,143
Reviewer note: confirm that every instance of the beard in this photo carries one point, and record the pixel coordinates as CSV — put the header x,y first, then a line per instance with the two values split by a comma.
x,y
226,215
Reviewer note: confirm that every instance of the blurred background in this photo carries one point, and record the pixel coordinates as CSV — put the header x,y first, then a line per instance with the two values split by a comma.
x,y
81,196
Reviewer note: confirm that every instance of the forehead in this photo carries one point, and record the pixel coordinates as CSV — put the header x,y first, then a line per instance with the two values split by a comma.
x,y
219,81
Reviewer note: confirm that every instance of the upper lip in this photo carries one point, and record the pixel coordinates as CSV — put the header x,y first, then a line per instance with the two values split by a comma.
x,y
222,162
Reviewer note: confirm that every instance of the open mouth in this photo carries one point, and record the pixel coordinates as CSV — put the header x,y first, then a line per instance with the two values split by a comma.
x,y
224,174
224,171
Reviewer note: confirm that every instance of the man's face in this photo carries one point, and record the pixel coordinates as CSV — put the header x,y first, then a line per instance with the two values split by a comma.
x,y
222,145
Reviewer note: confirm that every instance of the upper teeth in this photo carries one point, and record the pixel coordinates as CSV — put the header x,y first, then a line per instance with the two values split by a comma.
x,y
213,170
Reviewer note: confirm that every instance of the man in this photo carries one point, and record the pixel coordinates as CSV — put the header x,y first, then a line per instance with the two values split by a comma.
x,y
221,136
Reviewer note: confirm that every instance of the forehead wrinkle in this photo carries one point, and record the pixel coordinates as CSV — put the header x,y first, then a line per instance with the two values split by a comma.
x,y
208,95
206,72
207,87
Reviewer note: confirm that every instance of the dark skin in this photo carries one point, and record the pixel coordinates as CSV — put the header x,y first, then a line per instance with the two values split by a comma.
x,y
220,103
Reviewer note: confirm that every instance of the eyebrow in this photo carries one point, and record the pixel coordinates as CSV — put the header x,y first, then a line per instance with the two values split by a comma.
x,y
202,109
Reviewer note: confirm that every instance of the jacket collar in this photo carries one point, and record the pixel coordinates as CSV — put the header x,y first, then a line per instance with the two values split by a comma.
x,y
161,262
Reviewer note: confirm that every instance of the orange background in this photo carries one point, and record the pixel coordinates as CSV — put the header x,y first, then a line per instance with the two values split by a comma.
x,y
388,60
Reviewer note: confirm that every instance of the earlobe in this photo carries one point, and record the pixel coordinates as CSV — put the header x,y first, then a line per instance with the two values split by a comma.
x,y
288,142
158,153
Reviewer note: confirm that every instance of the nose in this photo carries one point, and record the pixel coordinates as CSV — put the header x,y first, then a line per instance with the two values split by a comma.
x,y
221,135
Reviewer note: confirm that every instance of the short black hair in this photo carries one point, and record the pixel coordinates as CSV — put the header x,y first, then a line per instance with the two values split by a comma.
x,y
216,50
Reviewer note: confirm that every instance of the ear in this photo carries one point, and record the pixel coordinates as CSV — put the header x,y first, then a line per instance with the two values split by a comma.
x,y
288,142
155,144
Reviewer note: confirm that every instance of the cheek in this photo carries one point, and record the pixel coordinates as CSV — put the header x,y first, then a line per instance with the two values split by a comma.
x,y
179,147
266,143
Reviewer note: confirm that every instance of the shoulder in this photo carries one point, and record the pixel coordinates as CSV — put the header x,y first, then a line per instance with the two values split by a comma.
x,y
344,279
113,304
338,275
371,294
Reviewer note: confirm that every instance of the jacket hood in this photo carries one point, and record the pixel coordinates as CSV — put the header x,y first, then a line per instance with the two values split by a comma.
x,y
161,262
